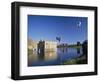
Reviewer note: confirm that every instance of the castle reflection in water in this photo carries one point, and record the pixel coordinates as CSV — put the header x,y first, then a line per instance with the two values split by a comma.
x,y
48,53
42,50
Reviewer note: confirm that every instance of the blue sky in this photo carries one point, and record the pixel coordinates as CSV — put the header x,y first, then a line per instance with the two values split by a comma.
x,y
70,29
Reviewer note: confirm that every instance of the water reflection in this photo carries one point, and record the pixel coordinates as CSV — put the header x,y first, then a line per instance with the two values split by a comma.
x,y
50,56
32,58
46,56
64,50
53,57
78,50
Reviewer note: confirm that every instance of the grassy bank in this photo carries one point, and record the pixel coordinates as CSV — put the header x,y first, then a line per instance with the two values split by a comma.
x,y
69,46
79,60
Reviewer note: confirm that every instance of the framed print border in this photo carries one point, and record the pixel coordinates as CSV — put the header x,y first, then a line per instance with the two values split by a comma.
x,y
15,40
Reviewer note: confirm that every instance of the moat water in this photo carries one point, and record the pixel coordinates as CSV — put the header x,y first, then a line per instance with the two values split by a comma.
x,y
53,58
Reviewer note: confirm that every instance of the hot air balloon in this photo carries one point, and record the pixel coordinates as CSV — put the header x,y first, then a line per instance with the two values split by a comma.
x,y
79,24
58,38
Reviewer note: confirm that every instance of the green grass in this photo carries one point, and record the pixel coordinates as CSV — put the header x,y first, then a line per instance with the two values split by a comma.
x,y
74,46
78,47
80,60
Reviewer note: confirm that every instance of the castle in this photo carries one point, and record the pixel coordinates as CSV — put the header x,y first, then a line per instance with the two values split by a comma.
x,y
42,46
